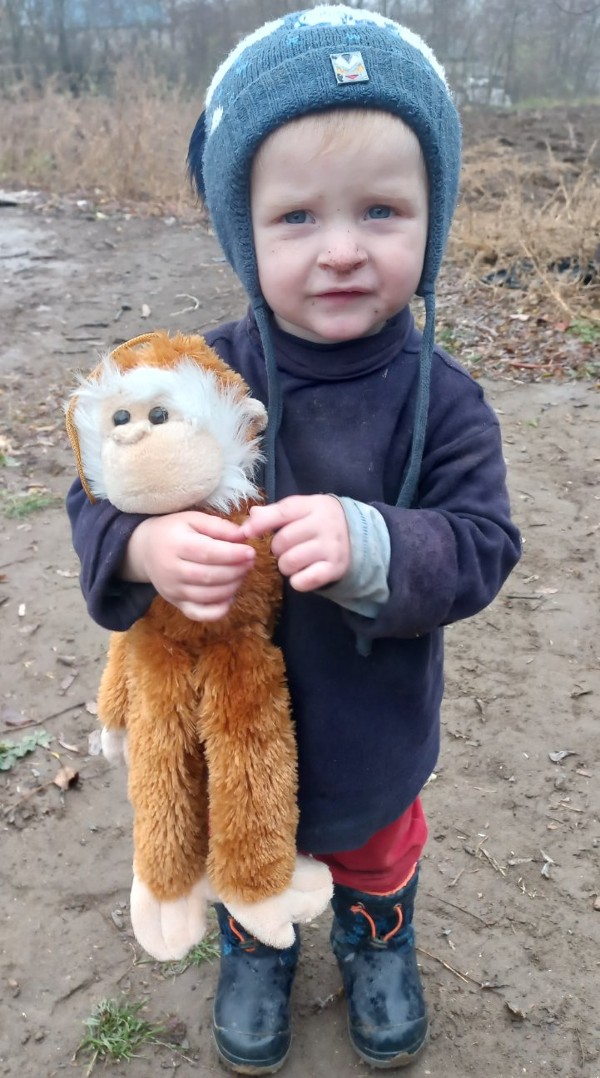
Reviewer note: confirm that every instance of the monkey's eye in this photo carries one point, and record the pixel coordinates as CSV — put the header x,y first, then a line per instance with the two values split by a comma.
x,y
121,417
158,415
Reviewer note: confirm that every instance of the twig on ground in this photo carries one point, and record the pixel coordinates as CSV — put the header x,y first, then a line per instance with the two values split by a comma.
x,y
463,909
194,307
40,722
495,864
466,977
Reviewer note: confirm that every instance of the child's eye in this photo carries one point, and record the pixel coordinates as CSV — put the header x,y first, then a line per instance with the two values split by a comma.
x,y
379,213
296,217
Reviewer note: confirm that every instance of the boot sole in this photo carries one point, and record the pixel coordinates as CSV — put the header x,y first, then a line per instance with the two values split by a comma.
x,y
403,1059
240,1067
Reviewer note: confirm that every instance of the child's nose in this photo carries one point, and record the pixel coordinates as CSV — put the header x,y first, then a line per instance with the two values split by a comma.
x,y
342,252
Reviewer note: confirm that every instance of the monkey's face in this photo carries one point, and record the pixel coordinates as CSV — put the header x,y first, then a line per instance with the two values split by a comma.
x,y
156,461
156,440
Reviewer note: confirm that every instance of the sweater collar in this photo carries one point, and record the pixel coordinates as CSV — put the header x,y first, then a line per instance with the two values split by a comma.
x,y
337,362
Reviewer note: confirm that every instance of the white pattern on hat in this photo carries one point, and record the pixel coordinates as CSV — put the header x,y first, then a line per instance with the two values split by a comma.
x,y
234,55
217,116
325,15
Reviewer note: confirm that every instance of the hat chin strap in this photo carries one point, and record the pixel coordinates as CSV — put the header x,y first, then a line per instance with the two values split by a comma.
x,y
275,404
410,479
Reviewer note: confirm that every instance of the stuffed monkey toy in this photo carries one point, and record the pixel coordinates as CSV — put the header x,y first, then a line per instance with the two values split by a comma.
x,y
199,709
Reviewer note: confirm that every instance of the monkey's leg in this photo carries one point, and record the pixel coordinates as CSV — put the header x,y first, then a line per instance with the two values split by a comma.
x,y
167,789
251,754
113,700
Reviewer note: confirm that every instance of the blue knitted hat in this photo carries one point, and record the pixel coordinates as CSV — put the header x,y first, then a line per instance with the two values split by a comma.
x,y
327,57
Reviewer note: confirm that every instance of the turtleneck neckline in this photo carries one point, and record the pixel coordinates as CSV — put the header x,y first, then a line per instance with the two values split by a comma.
x,y
340,361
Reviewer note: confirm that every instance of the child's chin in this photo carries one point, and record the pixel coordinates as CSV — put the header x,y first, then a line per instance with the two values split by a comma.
x,y
351,331
333,331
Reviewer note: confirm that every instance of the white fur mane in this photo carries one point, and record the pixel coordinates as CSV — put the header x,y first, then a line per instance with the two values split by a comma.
x,y
193,393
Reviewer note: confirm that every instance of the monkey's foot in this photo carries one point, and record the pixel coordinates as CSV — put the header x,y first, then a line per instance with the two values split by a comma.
x,y
114,745
271,920
168,930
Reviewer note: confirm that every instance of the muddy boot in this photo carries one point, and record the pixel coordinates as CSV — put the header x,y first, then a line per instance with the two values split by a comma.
x,y
251,1016
373,940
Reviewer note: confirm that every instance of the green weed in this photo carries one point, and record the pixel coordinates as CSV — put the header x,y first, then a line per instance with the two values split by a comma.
x,y
446,338
11,751
22,505
205,951
587,332
115,1032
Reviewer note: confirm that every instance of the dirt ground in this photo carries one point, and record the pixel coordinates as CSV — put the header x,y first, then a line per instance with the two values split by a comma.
x,y
508,916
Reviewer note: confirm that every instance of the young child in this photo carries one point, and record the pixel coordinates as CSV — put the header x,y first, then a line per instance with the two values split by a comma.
x,y
328,155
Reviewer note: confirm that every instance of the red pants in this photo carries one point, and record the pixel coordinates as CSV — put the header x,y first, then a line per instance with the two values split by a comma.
x,y
387,861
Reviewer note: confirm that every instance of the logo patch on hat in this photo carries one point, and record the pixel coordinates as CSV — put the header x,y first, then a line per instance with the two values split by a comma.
x,y
349,67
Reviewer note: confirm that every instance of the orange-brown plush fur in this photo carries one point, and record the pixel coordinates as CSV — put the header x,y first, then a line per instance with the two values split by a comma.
x,y
206,711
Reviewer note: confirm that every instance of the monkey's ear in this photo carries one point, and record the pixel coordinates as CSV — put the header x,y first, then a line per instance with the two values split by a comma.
x,y
74,440
135,342
256,413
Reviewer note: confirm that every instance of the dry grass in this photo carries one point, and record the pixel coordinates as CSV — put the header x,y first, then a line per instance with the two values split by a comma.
x,y
539,219
131,149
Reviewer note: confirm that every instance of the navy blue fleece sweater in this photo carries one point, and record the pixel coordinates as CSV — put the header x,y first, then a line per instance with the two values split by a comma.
x,y
367,726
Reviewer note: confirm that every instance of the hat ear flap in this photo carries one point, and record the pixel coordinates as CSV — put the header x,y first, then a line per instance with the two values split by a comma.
x,y
196,153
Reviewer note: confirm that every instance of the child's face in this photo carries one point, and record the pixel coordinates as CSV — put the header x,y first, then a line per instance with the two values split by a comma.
x,y
340,225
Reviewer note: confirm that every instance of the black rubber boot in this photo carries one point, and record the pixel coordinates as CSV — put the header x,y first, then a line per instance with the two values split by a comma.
x,y
251,1016
373,940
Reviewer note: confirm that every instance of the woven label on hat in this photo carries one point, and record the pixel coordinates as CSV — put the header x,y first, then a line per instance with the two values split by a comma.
x,y
349,67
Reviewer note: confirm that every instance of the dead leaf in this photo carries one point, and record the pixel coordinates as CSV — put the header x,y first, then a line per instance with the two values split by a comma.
x,y
548,862
91,707
516,1013
67,682
558,757
67,572
66,778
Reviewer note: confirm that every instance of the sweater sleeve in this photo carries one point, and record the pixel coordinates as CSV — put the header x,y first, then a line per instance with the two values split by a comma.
x,y
451,554
364,587
100,537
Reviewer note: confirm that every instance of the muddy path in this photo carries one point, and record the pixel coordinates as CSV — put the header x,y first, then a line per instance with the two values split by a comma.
x,y
508,917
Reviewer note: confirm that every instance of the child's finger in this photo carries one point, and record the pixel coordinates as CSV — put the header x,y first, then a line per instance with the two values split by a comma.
x,y
208,551
314,576
269,518
215,527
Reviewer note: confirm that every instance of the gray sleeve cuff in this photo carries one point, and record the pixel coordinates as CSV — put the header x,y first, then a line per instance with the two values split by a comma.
x,y
364,588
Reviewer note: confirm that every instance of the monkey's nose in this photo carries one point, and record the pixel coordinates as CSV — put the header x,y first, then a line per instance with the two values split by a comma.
x,y
131,433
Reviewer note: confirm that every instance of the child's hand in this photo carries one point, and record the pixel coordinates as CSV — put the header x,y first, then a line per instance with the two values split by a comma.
x,y
311,540
195,561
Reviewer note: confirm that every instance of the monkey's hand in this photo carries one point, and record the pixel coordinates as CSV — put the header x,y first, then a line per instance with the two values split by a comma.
x,y
168,930
114,745
271,920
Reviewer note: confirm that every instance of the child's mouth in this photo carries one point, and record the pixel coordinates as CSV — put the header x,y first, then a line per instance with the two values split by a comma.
x,y
341,295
